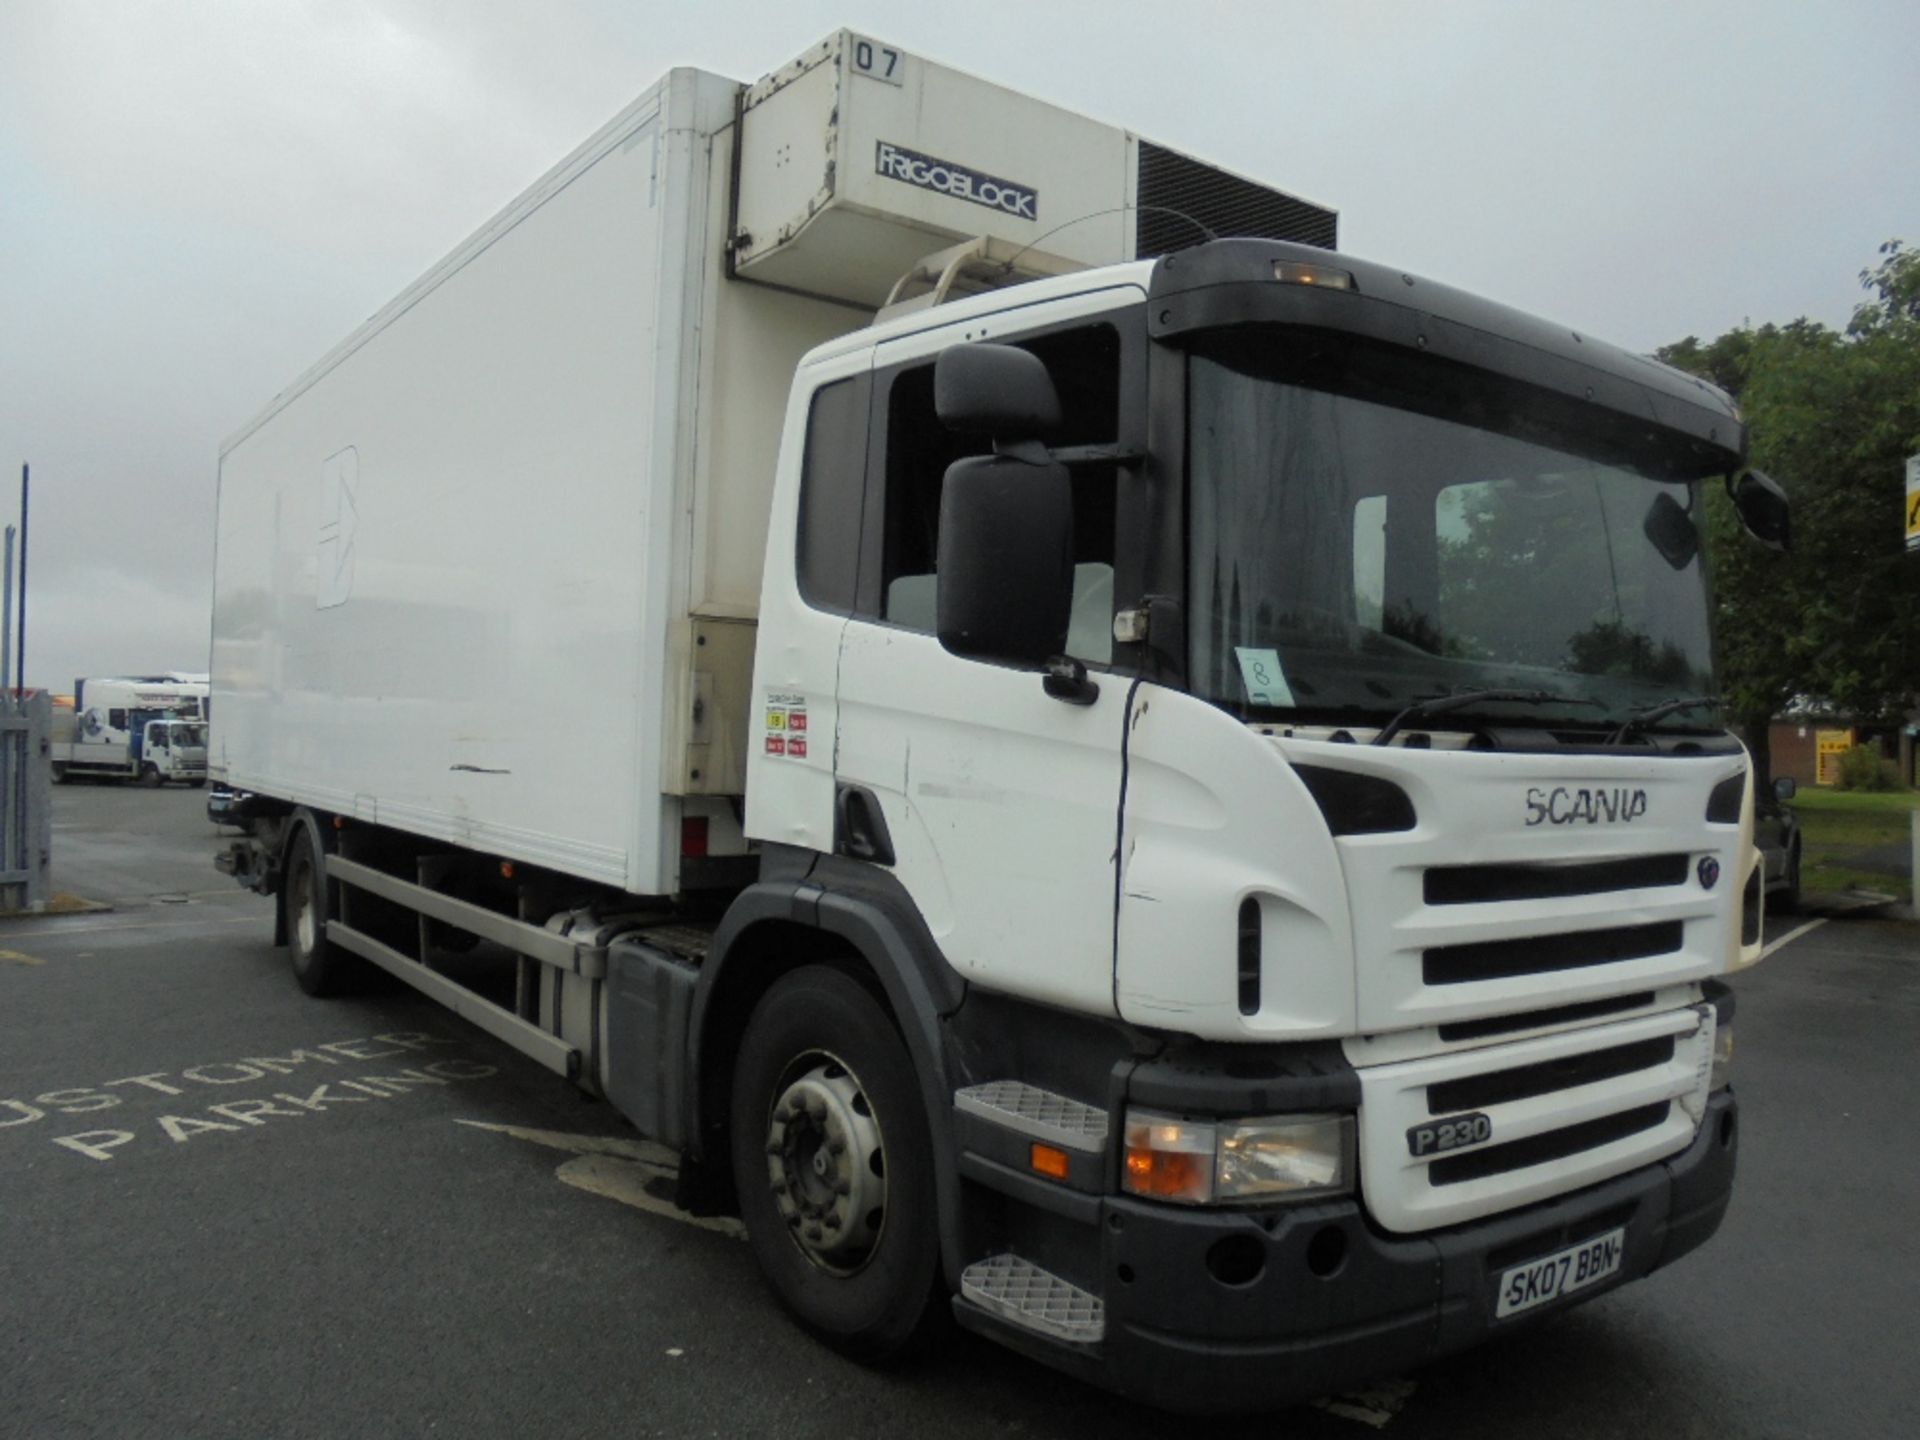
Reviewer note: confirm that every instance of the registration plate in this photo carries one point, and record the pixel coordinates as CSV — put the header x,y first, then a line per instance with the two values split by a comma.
x,y
1562,1273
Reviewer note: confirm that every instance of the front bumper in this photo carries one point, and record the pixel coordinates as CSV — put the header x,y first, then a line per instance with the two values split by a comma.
x,y
1252,1310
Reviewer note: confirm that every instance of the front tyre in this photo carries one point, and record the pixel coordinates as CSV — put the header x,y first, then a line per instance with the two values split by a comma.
x,y
834,1165
150,776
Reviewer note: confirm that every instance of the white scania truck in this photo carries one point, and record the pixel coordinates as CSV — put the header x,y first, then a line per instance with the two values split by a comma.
x,y
1154,796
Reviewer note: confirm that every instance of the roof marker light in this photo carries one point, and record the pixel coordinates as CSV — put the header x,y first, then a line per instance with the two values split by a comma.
x,y
1327,277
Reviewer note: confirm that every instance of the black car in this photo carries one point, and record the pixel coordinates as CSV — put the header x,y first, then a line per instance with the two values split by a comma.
x,y
227,806
1777,834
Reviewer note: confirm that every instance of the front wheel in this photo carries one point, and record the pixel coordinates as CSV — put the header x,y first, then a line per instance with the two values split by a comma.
x,y
834,1165
151,777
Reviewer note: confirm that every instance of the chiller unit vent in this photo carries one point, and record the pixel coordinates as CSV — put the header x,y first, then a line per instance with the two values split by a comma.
x,y
1225,204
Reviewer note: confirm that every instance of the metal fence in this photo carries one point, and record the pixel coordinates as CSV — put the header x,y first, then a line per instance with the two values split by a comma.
x,y
26,776
26,802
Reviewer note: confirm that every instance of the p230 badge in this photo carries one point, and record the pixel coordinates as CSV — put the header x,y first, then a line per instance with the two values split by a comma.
x,y
1456,1132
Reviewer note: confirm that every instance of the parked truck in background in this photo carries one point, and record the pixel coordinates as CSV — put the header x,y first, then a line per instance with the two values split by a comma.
x,y
146,728
1155,795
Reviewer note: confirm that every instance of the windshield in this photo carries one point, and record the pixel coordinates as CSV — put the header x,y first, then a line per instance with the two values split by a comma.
x,y
190,735
1358,544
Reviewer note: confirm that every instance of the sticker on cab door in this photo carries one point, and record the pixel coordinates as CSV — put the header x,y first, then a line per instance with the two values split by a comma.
x,y
786,725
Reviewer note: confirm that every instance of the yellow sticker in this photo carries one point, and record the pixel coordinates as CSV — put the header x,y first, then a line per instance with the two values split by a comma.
x,y
776,719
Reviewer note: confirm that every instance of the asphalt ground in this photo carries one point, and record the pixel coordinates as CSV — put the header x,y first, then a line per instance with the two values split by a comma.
x,y
392,1225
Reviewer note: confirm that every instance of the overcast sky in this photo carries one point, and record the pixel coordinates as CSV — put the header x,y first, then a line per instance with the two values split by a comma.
x,y
198,198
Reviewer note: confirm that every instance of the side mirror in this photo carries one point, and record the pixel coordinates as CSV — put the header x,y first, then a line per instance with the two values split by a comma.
x,y
1784,787
996,391
1004,576
1762,507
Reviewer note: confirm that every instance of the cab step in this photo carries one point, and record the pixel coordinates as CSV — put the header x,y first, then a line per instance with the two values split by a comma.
x,y
1038,1114
1021,1292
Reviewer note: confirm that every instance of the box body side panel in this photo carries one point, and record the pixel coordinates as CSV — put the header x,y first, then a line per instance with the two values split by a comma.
x,y
438,569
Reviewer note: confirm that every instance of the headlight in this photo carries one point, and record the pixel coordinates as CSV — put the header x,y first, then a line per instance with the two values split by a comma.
x,y
1201,1162
1722,1055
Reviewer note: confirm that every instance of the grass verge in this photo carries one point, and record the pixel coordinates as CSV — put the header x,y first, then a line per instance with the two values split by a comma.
x,y
1840,828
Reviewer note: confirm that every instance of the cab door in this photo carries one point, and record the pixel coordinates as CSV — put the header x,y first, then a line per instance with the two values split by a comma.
x,y
999,802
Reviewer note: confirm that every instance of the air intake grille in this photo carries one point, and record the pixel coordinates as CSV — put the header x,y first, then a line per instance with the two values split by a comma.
x,y
1542,954
1474,884
1501,1087
1554,1145
1224,204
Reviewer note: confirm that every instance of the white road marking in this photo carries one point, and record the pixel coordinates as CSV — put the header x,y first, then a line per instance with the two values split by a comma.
x,y
306,1060
618,1169
174,897
58,930
1793,934
1374,1406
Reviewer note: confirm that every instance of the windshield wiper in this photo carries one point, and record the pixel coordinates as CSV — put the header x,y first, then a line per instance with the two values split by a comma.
x,y
1440,704
1639,719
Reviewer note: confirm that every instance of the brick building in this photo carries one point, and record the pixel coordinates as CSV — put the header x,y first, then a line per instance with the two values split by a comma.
x,y
1797,745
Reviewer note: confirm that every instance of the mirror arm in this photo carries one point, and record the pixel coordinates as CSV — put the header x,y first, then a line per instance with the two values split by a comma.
x,y
1067,680
1027,452
1071,455
1036,452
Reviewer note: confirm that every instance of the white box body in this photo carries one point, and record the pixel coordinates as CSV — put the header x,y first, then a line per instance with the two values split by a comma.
x,y
461,563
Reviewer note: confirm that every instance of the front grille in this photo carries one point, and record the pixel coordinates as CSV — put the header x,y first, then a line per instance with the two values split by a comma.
x,y
1554,1145
1474,884
1183,202
1475,1092
1542,954
1543,1019
1563,1110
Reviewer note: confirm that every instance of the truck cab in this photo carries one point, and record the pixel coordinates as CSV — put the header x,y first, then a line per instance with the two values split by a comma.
x,y
164,749
1281,679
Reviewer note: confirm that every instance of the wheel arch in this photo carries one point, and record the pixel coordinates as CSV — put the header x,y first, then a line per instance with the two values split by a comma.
x,y
850,920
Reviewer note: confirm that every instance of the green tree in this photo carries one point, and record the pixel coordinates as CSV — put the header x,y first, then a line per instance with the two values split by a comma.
x,y
1831,415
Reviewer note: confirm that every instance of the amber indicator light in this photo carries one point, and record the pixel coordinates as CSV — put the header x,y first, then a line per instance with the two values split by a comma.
x,y
1047,1160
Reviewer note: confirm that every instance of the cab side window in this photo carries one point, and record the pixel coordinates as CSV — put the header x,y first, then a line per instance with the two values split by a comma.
x,y
1085,365
832,493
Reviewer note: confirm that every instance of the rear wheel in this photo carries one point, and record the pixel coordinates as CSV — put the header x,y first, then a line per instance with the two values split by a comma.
x,y
834,1165
321,967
